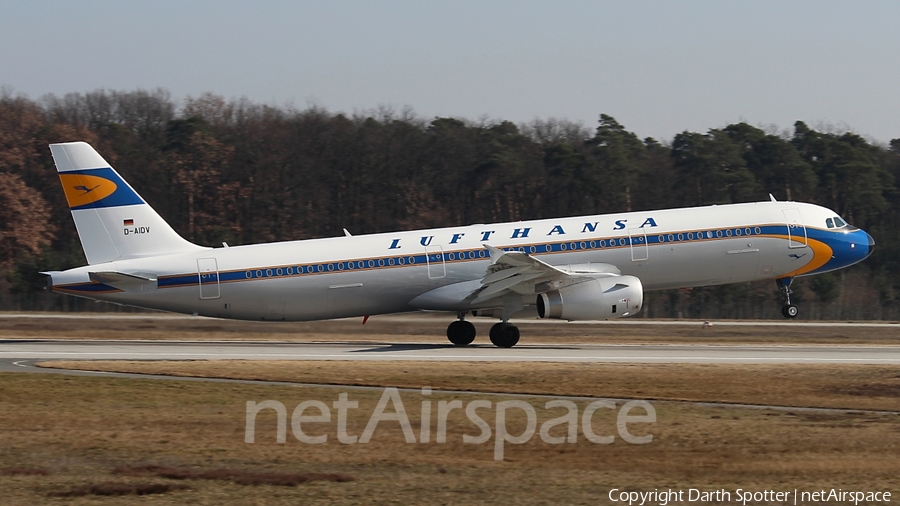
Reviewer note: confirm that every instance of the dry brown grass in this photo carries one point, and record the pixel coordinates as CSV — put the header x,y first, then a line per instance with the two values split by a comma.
x,y
23,471
113,488
430,328
868,387
82,428
239,476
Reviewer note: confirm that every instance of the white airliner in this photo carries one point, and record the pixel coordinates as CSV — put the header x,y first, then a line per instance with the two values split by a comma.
x,y
578,268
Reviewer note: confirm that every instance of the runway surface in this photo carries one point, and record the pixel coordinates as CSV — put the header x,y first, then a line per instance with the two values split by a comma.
x,y
21,356
38,349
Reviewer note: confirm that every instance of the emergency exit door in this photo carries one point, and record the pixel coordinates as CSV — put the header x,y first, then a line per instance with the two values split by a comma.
x,y
208,271
795,228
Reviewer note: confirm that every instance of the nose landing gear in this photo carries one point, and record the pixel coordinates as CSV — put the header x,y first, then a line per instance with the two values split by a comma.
x,y
788,310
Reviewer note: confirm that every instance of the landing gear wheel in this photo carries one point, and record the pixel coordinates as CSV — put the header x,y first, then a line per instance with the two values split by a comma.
x,y
790,311
461,333
504,335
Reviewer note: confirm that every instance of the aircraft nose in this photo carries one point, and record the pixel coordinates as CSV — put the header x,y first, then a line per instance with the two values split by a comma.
x,y
861,245
870,244
858,246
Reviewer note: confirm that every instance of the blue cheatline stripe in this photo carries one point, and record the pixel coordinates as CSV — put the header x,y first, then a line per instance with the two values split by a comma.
x,y
421,260
396,261
123,196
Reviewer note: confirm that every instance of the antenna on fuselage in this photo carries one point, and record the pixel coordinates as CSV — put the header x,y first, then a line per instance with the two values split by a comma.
x,y
346,233
772,198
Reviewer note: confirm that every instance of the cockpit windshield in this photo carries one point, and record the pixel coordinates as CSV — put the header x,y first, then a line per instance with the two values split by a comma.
x,y
836,222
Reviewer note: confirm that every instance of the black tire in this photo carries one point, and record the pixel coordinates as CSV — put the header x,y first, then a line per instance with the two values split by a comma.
x,y
790,311
493,332
461,333
504,335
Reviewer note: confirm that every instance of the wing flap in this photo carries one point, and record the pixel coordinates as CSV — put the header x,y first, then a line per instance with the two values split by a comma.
x,y
493,289
502,274
515,271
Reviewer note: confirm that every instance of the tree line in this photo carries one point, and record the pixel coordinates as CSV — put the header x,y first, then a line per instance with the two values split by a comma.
x,y
240,172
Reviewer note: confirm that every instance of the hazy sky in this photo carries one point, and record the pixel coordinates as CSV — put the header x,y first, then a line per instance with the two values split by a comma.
x,y
658,67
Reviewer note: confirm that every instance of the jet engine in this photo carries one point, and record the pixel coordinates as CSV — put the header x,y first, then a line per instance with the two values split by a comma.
x,y
598,299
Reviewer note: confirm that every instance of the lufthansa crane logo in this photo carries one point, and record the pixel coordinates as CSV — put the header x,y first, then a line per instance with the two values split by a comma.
x,y
84,189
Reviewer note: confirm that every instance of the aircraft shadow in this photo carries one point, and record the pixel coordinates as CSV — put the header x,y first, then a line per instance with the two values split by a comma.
x,y
388,347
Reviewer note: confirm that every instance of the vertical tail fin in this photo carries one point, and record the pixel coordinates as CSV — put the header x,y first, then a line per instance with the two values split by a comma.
x,y
113,221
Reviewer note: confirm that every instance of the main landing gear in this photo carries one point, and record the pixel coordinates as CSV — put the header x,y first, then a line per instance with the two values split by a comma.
x,y
504,335
788,310
462,333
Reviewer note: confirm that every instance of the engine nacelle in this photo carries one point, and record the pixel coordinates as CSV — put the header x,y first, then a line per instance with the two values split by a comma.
x,y
598,299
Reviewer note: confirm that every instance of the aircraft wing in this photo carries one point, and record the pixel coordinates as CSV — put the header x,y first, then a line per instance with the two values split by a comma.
x,y
509,273
515,271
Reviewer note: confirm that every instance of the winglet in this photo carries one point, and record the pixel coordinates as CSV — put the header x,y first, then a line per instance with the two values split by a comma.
x,y
495,253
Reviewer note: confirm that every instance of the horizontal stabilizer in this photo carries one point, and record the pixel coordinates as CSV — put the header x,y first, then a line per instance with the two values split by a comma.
x,y
134,282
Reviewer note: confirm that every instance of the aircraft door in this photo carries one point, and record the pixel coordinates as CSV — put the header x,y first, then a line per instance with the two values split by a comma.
x,y
434,256
638,240
796,229
208,271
